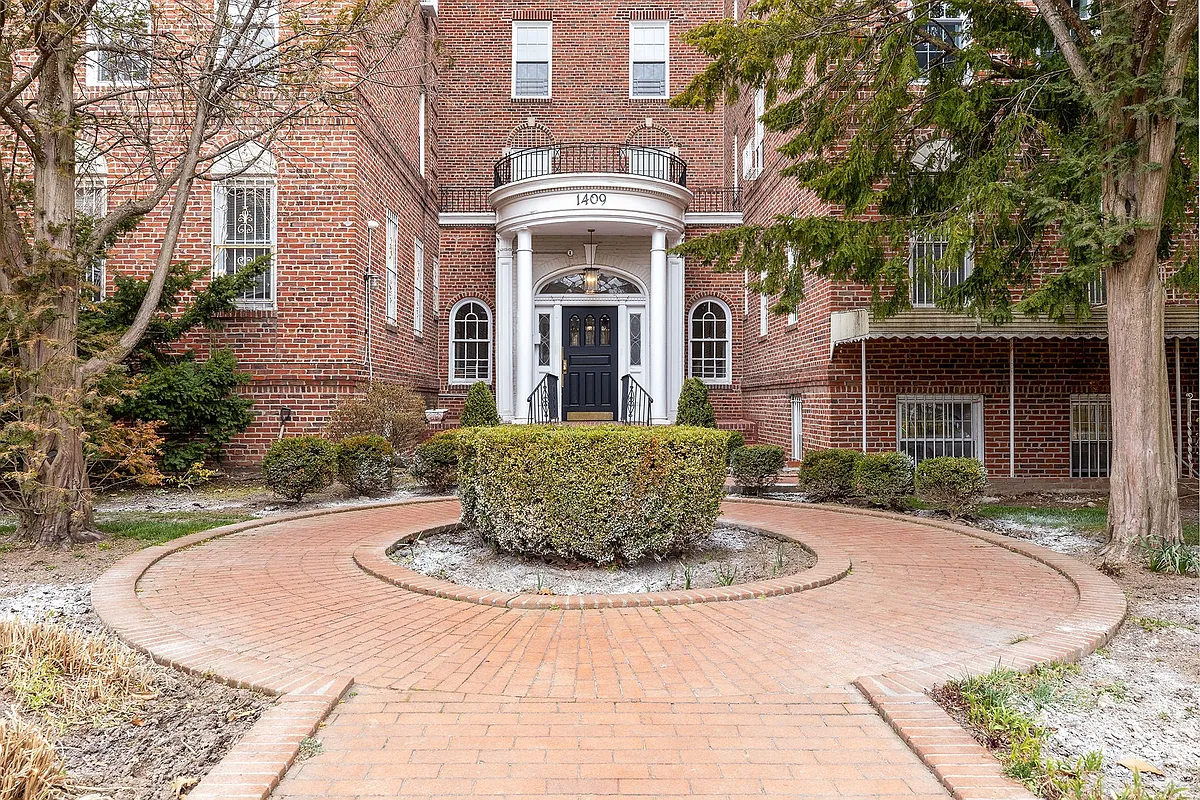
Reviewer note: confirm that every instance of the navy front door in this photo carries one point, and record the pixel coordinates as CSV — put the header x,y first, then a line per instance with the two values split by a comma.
x,y
590,368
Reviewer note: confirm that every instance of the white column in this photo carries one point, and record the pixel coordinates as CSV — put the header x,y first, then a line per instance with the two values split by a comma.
x,y
524,326
503,327
658,324
676,327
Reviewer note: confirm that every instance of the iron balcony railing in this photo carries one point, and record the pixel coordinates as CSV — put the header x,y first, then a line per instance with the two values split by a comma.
x,y
716,200
559,159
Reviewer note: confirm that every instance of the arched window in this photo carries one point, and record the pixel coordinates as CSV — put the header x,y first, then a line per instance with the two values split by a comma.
x,y
709,341
244,216
470,342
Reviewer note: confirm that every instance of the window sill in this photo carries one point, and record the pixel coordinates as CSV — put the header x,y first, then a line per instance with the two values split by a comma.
x,y
250,312
533,100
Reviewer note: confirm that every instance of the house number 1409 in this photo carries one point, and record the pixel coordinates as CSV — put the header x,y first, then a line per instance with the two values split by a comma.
x,y
591,199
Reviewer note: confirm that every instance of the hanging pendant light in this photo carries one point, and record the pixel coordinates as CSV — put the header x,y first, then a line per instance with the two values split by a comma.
x,y
591,273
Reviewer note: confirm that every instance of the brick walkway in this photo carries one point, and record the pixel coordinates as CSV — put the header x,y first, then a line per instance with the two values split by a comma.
x,y
731,699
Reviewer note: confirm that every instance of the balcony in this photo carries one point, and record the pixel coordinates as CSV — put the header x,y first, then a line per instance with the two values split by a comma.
x,y
592,159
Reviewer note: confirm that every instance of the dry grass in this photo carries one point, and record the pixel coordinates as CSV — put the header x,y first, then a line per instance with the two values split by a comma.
x,y
68,676
29,767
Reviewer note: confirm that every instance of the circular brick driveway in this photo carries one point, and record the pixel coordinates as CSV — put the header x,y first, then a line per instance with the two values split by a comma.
x,y
748,698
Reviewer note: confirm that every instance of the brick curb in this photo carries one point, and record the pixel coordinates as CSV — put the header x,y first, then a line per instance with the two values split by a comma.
x,y
832,565
966,768
254,766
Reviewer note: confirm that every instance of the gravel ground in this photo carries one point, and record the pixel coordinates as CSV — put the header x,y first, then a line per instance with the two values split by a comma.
x,y
462,557
169,741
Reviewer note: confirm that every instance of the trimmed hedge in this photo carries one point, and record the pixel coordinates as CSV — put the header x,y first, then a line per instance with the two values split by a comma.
x,y
436,460
596,494
365,464
736,440
300,465
955,485
828,474
756,466
884,479
480,408
694,408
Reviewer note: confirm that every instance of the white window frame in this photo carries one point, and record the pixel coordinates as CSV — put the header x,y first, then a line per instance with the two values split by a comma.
x,y
976,403
391,268
1100,406
764,311
963,41
453,379
727,378
271,25
752,155
665,26
549,27
793,315
437,288
93,178
921,293
92,65
418,287
249,164
1097,290
421,134
797,427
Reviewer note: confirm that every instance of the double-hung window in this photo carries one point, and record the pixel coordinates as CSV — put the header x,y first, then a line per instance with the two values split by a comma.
x,y
418,287
944,25
1097,290
391,277
421,134
649,48
120,36
244,209
794,314
939,425
249,32
531,59
752,155
764,310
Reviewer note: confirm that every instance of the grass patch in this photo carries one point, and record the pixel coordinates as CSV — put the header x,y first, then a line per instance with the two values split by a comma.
x,y
1082,518
1155,624
995,704
150,527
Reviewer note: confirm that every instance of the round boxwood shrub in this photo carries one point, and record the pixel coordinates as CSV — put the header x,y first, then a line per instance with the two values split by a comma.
x,y
694,408
365,464
884,479
736,440
756,466
435,462
480,408
596,494
300,465
955,485
828,474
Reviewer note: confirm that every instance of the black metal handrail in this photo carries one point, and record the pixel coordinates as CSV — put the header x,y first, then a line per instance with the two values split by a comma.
x,y
558,159
543,401
635,402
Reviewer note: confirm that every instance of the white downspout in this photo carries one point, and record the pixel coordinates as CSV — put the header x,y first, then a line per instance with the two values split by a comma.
x,y
1012,410
863,378
1178,415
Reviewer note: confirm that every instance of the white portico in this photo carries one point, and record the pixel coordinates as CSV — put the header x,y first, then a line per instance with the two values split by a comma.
x,y
589,316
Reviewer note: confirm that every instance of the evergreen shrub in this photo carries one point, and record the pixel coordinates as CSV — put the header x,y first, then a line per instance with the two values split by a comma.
x,y
884,479
480,408
365,464
955,485
299,465
436,460
694,408
828,474
756,466
736,440
594,494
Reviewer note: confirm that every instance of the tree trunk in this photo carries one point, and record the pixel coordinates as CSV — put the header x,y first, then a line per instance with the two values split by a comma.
x,y
56,502
1144,499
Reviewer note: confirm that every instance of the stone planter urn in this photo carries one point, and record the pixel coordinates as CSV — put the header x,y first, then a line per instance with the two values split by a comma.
x,y
433,415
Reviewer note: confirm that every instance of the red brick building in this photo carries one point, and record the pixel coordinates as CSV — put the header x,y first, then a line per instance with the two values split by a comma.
x,y
517,205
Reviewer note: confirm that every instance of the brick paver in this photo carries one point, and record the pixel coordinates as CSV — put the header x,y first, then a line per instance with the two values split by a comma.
x,y
747,698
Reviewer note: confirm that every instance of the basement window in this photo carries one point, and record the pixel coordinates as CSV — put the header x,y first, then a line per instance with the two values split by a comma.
x,y
1091,435
931,426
